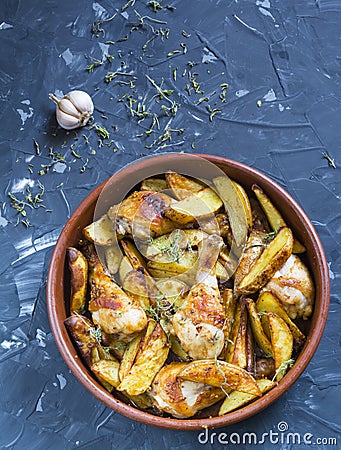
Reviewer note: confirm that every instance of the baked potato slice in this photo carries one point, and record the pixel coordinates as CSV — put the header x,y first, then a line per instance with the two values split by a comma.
x,y
101,232
113,258
78,267
107,370
134,256
240,348
274,216
128,358
282,343
231,342
199,206
219,374
182,186
124,269
245,201
229,303
259,220
173,290
147,335
237,214
178,239
250,351
169,263
238,399
263,342
267,302
147,364
154,185
136,285
177,348
141,401
271,259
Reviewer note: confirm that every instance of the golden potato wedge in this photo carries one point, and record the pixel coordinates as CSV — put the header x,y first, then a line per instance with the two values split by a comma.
x,y
257,328
181,398
178,239
113,258
116,347
198,206
135,284
107,370
245,201
101,232
124,269
78,267
221,271
267,302
134,256
147,335
253,249
187,261
259,220
238,399
240,348
154,185
219,224
238,216
220,373
229,261
147,364
182,186
273,215
272,258
173,290
229,304
177,348
231,342
141,401
250,351
282,343
129,357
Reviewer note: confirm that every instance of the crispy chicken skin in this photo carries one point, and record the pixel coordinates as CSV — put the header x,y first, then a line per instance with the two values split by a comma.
x,y
141,213
294,287
112,309
199,322
178,397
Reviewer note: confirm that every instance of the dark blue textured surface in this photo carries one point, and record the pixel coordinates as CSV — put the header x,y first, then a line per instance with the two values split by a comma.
x,y
285,54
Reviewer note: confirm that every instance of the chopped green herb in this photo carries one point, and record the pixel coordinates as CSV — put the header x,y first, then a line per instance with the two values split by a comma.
x,y
331,161
127,5
156,6
174,52
102,132
184,47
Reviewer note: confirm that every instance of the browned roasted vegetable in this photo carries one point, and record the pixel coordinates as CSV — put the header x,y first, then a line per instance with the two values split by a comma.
x,y
235,208
136,285
219,374
154,184
274,217
134,256
250,351
245,201
282,343
240,348
198,206
182,186
176,241
272,258
113,258
101,232
238,399
265,368
147,364
78,267
179,397
107,370
231,342
128,358
257,328
267,302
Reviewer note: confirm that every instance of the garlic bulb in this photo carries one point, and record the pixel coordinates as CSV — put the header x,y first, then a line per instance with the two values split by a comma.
x,y
73,110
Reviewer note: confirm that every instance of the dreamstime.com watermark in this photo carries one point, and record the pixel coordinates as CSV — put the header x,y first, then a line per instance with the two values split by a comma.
x,y
281,436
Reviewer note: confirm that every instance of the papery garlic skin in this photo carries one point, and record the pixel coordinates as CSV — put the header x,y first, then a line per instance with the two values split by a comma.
x,y
73,110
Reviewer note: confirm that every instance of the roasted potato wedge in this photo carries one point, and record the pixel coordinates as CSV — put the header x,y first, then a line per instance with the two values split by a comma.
x,y
231,342
220,373
124,269
238,216
267,302
147,364
240,348
173,290
257,328
107,370
142,401
101,232
259,220
250,351
282,343
179,397
128,358
154,184
169,263
182,186
272,258
135,284
177,348
251,252
219,224
229,304
245,201
178,240
198,206
134,256
113,258
78,267
274,217
238,399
